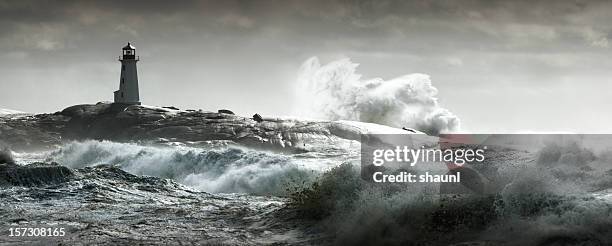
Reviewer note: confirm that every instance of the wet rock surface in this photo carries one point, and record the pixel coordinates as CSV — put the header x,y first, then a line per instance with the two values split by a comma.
x,y
34,174
108,121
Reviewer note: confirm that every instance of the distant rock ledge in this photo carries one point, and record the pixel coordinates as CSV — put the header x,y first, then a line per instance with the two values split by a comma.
x,y
33,174
127,123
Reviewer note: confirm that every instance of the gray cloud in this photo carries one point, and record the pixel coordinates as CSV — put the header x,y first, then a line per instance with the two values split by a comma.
x,y
200,53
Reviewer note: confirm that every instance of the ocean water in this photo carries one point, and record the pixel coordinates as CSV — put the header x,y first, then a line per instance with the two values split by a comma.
x,y
241,196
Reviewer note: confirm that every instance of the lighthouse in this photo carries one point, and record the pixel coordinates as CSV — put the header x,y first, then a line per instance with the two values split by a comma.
x,y
128,82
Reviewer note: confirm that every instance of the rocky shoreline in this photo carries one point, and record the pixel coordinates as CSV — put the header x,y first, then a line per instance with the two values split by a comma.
x,y
116,122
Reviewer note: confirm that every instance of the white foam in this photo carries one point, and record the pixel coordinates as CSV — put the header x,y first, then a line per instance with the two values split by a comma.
x,y
224,170
9,111
336,91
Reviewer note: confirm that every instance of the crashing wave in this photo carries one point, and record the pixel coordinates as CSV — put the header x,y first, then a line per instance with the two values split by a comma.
x,y
226,170
337,92
549,210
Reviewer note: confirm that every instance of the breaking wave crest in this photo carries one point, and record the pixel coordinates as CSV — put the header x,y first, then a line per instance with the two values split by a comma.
x,y
560,196
225,170
362,213
337,92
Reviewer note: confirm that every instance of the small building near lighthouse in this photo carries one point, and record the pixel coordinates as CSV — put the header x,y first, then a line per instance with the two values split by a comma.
x,y
128,82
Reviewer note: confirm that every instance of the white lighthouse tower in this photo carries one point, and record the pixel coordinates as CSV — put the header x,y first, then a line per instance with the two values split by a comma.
x,y
128,82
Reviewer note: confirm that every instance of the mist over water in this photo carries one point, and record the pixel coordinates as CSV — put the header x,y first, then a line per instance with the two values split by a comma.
x,y
336,91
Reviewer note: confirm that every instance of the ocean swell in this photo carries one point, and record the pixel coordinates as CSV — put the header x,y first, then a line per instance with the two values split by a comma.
x,y
217,170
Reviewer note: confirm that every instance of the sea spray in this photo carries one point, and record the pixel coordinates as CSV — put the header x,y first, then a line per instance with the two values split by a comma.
x,y
534,205
337,92
225,170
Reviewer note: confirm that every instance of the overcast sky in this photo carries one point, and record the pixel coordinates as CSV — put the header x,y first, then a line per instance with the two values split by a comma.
x,y
499,65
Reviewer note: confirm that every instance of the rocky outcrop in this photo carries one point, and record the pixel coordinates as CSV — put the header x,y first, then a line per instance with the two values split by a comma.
x,y
225,111
33,174
257,117
119,122
32,132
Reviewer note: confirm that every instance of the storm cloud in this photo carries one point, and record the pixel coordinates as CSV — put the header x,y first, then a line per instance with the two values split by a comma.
x,y
498,65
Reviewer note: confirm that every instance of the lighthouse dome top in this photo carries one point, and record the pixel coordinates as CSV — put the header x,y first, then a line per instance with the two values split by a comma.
x,y
129,46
